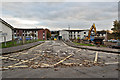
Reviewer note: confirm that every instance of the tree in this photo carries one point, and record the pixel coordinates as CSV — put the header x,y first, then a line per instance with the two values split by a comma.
x,y
116,29
116,25
48,35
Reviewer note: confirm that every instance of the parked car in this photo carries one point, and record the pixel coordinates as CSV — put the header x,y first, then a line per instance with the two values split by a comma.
x,y
27,38
117,46
113,40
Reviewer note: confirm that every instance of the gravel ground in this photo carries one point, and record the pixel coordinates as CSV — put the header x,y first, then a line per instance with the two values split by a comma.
x,y
54,59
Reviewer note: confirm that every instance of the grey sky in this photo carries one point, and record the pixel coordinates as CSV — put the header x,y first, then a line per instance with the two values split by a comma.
x,y
58,15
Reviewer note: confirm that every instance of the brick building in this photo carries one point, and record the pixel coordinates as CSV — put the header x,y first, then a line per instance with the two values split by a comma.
x,y
37,33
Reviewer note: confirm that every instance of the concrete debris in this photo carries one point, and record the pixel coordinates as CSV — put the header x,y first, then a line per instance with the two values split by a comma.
x,y
118,69
49,58
36,63
72,64
56,69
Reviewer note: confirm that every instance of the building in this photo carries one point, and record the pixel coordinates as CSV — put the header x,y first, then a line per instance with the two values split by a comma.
x,y
101,33
73,34
54,34
34,33
5,31
44,34
8,33
64,34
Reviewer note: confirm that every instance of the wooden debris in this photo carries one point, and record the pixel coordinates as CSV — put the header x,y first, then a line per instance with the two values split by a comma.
x,y
1,69
62,60
43,65
96,57
23,61
3,57
21,66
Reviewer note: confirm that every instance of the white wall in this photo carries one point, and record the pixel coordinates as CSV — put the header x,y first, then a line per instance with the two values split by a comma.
x,y
64,34
5,29
82,34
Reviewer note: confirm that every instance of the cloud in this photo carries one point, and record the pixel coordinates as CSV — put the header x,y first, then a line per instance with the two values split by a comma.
x,y
61,1
79,15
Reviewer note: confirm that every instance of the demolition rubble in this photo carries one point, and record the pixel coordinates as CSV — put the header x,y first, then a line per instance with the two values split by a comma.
x,y
50,56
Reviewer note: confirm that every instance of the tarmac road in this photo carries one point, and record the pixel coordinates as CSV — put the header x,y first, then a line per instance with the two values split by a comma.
x,y
52,52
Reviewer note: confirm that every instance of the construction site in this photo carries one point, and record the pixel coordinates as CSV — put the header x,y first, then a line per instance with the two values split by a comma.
x,y
59,40
55,59
96,39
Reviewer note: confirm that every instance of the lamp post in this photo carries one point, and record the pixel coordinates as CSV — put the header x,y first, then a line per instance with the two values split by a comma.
x,y
4,35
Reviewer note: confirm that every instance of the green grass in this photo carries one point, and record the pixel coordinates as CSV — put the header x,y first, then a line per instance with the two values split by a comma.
x,y
103,46
82,44
14,43
10,44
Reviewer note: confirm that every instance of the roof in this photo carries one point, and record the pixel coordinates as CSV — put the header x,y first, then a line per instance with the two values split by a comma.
x,y
101,32
28,28
4,22
76,30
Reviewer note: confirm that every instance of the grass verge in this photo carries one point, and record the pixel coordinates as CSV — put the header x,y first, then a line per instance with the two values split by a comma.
x,y
82,44
16,43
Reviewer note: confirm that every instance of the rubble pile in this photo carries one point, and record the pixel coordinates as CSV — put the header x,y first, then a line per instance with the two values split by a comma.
x,y
51,55
45,59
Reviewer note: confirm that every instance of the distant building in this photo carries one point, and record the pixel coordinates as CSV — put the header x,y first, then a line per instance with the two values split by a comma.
x,y
101,33
54,34
35,33
5,31
73,34
64,34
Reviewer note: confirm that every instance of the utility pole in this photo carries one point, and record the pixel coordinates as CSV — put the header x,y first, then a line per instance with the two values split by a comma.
x,y
68,27
106,36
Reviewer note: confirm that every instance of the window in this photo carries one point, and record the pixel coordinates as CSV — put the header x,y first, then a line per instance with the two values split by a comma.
x,y
14,31
25,31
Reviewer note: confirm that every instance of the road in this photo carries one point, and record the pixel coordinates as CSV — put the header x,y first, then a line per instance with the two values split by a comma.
x,y
43,61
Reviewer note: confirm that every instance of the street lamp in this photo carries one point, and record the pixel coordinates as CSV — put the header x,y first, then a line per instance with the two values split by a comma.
x,y
4,35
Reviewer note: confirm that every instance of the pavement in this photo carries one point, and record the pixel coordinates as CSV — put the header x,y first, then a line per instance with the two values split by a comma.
x,y
20,48
55,59
103,49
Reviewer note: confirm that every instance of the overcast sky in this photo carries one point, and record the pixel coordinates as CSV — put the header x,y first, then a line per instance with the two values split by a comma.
x,y
60,15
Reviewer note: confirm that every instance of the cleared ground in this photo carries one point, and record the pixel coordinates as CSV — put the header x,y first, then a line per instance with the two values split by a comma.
x,y
54,59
